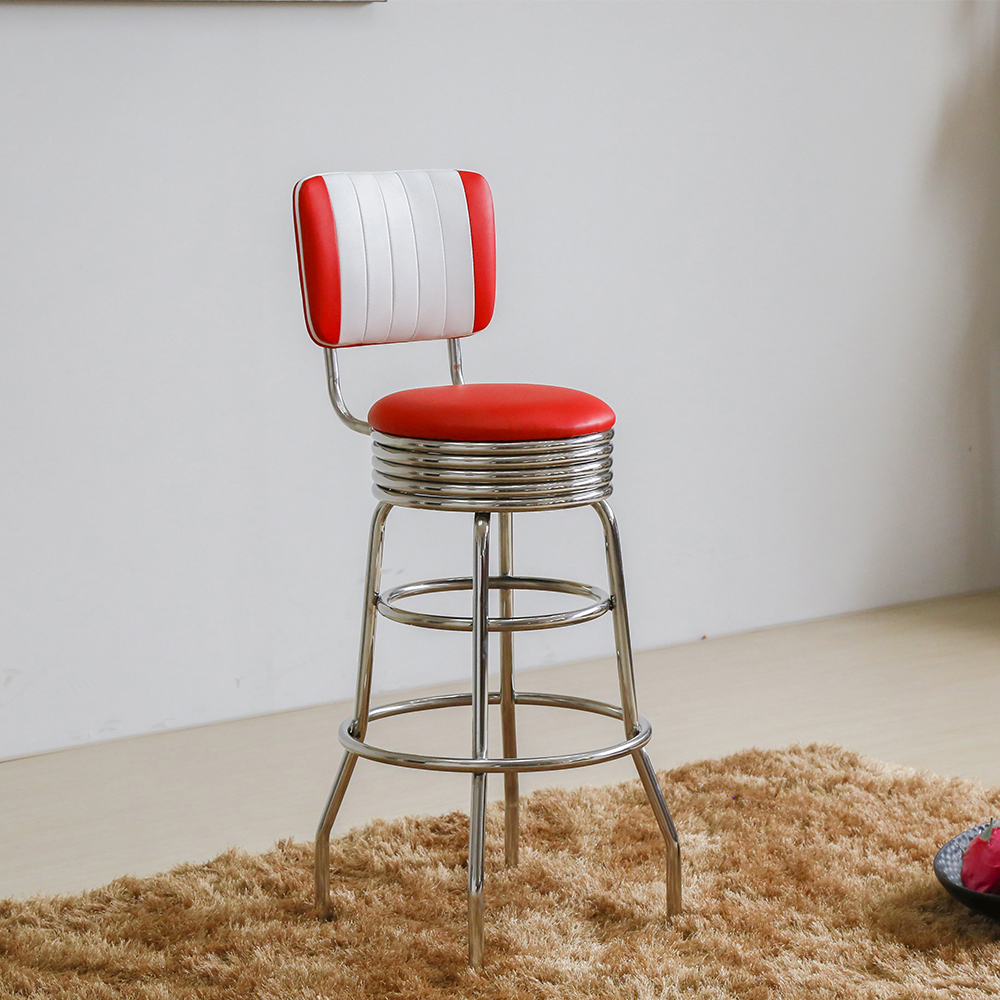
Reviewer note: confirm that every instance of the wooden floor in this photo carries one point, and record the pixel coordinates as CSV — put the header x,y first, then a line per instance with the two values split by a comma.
x,y
916,684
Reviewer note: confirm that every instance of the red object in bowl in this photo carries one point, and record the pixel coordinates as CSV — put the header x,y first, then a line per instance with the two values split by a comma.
x,y
981,861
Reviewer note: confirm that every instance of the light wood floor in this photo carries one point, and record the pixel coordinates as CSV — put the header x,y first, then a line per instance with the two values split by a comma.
x,y
915,684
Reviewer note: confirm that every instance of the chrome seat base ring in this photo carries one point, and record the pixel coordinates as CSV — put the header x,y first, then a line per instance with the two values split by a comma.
x,y
492,475
493,765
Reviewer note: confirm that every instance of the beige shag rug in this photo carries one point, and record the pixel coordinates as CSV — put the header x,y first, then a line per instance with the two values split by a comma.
x,y
807,874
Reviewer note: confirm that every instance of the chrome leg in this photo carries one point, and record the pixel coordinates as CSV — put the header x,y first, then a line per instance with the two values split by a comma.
x,y
626,683
321,858
619,614
666,824
480,702
511,803
362,702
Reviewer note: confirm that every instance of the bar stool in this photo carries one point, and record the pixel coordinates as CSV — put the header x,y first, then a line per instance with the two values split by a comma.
x,y
410,255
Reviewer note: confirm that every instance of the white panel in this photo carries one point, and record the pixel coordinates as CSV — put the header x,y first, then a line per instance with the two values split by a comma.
x,y
378,257
454,211
430,254
405,242
403,247
351,249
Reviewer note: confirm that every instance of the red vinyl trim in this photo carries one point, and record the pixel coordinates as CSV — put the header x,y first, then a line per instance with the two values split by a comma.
x,y
319,260
484,245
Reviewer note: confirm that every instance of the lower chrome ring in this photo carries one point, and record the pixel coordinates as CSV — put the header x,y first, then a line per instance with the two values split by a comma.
x,y
493,765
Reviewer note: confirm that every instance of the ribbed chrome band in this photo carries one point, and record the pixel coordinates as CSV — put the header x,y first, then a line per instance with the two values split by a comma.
x,y
491,475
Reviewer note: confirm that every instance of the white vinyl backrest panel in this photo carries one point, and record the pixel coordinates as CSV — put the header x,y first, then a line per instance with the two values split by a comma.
x,y
405,248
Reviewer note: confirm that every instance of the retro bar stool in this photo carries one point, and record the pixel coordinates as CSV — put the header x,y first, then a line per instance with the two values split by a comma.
x,y
390,257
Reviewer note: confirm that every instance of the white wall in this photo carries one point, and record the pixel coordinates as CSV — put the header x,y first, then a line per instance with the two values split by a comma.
x,y
766,233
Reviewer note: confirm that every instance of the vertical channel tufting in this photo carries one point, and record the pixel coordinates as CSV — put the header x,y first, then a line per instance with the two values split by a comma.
x,y
456,233
378,258
430,254
402,246
403,249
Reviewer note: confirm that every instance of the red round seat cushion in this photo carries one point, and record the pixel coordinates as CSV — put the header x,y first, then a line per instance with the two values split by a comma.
x,y
491,412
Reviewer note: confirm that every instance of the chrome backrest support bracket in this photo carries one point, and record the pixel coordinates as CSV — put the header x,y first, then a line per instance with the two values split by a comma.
x,y
455,361
337,396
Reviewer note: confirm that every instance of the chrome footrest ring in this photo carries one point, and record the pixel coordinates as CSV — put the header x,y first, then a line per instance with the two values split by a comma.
x,y
600,604
493,765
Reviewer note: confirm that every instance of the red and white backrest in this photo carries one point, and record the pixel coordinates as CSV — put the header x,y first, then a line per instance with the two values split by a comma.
x,y
395,256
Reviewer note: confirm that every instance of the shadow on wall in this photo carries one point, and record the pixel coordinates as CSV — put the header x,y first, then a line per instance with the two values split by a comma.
x,y
964,182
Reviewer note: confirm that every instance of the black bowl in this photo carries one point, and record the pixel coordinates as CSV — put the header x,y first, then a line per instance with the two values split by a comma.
x,y
948,868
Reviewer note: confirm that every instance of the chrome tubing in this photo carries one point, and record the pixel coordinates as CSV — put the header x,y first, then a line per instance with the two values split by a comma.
x,y
630,714
492,475
321,857
508,725
480,705
666,824
409,499
490,449
541,699
470,461
366,652
623,640
496,490
358,725
455,361
435,473
337,396
485,478
495,765
600,603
